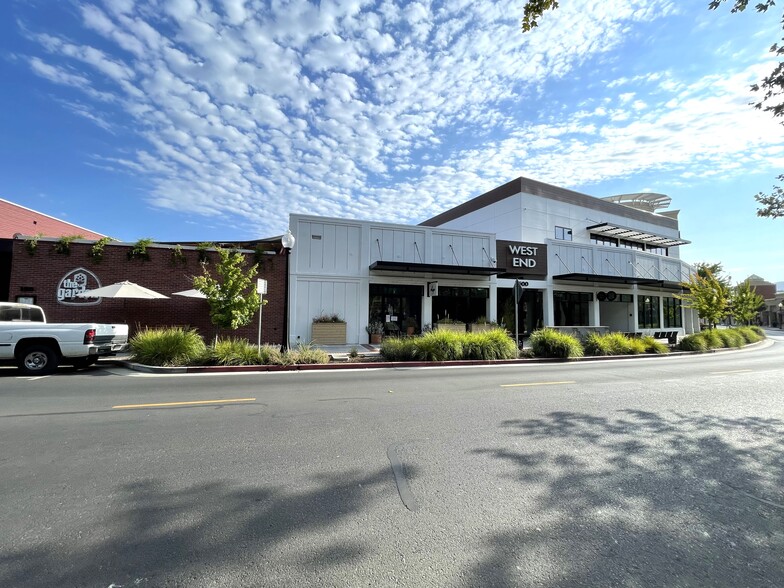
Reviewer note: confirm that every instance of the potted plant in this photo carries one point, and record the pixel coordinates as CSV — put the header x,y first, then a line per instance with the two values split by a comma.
x,y
481,325
328,329
376,330
449,324
411,325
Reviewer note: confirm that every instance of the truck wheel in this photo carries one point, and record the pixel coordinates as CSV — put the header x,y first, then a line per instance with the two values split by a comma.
x,y
38,360
84,362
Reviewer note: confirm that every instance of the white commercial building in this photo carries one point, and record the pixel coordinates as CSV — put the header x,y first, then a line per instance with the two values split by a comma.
x,y
583,262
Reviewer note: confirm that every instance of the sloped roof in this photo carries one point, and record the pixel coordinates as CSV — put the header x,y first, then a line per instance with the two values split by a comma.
x,y
16,219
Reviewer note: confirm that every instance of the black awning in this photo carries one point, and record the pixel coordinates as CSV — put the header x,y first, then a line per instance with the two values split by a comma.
x,y
640,281
434,268
613,230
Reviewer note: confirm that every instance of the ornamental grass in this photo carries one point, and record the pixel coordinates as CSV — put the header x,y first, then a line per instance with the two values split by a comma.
x,y
172,346
553,343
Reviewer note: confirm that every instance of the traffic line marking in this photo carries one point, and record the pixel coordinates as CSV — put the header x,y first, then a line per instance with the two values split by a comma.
x,y
733,372
189,403
537,384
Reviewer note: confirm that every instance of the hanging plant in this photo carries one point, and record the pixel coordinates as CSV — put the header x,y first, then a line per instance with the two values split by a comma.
x,y
96,251
63,244
177,256
202,249
139,250
31,243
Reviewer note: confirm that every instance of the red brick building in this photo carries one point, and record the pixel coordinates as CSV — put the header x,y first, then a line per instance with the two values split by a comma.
x,y
47,270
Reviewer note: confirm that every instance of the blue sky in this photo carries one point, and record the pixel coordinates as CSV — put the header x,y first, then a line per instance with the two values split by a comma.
x,y
214,119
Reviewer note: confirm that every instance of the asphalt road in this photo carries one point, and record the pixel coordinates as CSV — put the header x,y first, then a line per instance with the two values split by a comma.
x,y
664,471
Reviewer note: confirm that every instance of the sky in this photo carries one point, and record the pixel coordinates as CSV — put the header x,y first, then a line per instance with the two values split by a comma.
x,y
213,120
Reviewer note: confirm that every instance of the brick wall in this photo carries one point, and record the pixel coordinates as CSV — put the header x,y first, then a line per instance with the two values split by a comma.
x,y
40,274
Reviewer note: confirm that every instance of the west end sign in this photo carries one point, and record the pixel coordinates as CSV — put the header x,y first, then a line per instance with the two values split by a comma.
x,y
521,259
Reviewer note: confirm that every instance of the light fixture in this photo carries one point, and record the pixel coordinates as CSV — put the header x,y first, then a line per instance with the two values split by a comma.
x,y
287,240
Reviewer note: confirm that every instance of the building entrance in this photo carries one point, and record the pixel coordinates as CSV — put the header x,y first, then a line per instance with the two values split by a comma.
x,y
399,307
530,312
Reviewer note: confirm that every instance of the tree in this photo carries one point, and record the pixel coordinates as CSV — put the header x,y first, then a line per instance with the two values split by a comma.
x,y
746,303
771,86
773,203
707,295
232,296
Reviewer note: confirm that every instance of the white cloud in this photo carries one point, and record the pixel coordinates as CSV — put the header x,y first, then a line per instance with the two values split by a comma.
x,y
372,109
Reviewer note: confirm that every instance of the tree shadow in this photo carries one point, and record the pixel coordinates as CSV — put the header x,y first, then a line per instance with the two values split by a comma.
x,y
642,499
153,535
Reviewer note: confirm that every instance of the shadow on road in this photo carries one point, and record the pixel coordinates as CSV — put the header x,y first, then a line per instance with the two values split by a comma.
x,y
152,535
642,499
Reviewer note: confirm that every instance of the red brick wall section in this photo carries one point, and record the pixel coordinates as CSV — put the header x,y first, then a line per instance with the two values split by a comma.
x,y
39,275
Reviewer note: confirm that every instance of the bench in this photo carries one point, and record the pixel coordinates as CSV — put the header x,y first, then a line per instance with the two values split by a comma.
x,y
671,336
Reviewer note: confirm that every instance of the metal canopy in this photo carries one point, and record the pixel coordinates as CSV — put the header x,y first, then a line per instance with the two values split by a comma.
x,y
613,230
435,268
640,281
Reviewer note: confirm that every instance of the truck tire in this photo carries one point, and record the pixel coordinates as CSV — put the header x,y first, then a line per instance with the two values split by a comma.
x,y
38,360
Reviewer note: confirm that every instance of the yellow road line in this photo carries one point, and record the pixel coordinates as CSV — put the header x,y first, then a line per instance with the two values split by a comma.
x,y
733,372
536,384
191,403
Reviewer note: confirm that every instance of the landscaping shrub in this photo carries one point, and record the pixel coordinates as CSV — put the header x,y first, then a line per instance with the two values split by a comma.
x,y
489,345
712,338
442,345
305,354
610,344
651,345
232,351
731,338
439,345
552,343
695,342
271,355
751,334
398,348
173,346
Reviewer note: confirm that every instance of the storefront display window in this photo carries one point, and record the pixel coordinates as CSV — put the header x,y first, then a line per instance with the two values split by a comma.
x,y
648,312
571,308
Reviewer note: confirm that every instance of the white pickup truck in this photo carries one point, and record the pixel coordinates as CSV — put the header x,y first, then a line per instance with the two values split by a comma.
x,y
38,347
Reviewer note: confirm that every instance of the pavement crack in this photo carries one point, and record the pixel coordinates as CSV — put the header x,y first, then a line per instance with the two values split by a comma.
x,y
398,471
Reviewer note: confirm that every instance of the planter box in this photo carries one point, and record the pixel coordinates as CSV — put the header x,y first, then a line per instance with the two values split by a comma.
x,y
481,327
454,327
328,333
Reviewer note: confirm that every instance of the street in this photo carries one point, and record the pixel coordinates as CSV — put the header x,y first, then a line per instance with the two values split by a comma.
x,y
657,471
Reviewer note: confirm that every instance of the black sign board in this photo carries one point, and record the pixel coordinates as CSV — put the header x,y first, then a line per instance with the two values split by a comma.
x,y
521,259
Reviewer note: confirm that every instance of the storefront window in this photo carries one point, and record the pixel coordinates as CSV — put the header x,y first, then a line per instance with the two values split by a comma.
x,y
397,306
461,304
571,308
673,315
648,312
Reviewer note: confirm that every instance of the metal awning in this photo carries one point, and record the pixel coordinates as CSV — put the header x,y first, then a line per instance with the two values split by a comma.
x,y
613,280
613,230
435,268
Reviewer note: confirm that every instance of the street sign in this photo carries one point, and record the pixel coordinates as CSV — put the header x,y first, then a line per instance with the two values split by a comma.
x,y
518,290
261,286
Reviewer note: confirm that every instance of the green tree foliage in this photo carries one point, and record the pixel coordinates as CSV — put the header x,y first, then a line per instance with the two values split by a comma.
x,y
746,303
771,86
773,203
533,10
232,294
707,295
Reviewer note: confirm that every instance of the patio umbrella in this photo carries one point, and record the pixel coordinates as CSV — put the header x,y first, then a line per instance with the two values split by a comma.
x,y
124,289
190,294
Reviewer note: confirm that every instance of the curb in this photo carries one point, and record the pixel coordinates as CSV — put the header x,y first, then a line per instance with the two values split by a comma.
x,y
308,367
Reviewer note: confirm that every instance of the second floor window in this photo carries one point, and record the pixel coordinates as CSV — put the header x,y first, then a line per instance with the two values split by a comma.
x,y
563,234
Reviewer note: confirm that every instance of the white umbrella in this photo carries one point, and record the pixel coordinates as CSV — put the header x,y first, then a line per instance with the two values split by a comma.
x,y
124,289
190,294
